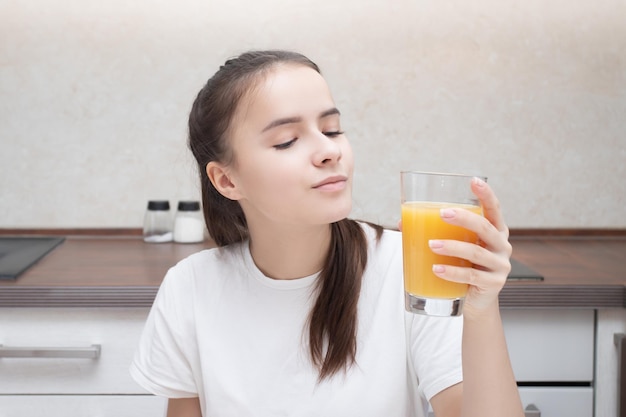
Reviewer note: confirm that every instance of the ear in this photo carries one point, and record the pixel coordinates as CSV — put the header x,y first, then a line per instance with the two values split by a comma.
x,y
218,176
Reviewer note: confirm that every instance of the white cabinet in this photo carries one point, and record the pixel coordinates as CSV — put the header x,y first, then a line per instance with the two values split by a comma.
x,y
559,401
550,345
552,354
98,386
610,322
83,406
556,402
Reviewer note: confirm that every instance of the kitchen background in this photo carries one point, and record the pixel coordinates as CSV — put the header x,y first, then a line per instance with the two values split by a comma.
x,y
94,98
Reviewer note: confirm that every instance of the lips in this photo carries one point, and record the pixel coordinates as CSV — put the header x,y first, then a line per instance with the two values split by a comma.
x,y
333,183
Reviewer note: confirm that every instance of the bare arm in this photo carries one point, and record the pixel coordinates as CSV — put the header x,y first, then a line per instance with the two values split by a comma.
x,y
183,407
489,388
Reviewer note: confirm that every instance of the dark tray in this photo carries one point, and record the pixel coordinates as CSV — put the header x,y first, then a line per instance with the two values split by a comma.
x,y
17,254
521,272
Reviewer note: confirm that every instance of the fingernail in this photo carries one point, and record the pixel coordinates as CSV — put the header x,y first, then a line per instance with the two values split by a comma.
x,y
435,244
447,213
479,182
438,269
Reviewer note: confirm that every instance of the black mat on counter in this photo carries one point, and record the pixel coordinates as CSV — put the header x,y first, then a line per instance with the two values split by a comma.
x,y
17,254
521,272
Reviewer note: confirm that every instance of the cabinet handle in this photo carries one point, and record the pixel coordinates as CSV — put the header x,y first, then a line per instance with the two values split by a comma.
x,y
620,343
91,352
532,411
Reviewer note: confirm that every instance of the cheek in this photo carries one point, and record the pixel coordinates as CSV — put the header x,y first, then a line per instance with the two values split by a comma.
x,y
269,180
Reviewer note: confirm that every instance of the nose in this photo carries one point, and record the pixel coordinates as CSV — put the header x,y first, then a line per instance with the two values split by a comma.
x,y
328,150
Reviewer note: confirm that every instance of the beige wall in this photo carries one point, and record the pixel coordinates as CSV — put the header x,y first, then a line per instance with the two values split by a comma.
x,y
94,98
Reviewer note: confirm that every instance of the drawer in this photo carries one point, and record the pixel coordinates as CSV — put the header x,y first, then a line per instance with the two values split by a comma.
x,y
555,402
559,402
550,345
116,330
83,406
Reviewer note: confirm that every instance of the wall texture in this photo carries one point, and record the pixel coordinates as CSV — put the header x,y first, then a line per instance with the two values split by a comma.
x,y
94,99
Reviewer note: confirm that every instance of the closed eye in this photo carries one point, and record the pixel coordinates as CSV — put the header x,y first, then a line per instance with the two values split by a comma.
x,y
334,133
285,145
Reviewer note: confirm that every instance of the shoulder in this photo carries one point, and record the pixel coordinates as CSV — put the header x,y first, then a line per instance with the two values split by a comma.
x,y
384,259
203,268
388,242
211,259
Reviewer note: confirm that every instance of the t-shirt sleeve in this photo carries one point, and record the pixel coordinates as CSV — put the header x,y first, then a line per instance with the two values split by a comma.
x,y
435,349
162,362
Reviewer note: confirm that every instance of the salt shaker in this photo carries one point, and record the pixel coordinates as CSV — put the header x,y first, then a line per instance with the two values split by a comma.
x,y
157,224
188,223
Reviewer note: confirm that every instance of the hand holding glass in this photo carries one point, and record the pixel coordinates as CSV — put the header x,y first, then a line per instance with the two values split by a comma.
x,y
423,196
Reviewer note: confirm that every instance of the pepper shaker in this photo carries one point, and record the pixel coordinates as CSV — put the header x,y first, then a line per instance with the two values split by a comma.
x,y
157,224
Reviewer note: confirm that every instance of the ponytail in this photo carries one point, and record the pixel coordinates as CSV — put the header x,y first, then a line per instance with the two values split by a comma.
x,y
333,318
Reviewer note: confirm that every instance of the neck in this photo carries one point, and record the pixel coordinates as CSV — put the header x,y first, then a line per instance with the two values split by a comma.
x,y
289,252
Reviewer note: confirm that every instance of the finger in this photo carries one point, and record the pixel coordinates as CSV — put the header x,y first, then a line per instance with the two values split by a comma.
x,y
472,276
489,203
487,233
477,255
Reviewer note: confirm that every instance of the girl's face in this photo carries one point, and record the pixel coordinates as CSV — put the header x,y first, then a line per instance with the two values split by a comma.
x,y
292,163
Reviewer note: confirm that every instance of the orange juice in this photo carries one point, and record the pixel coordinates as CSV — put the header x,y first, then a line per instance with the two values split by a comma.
x,y
421,222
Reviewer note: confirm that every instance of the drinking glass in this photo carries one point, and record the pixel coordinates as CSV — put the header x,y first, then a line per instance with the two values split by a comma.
x,y
424,194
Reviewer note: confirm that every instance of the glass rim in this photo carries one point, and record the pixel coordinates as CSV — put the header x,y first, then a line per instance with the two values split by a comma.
x,y
443,174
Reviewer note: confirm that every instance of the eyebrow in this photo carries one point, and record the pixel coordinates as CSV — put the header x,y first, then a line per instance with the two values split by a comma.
x,y
289,120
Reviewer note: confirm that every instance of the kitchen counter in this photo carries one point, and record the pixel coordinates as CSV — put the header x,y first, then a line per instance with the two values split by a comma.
x,y
123,271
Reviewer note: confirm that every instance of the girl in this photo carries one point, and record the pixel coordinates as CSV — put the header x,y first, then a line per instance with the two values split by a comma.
x,y
300,311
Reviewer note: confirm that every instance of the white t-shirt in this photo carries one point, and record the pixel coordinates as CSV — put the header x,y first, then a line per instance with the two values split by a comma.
x,y
222,331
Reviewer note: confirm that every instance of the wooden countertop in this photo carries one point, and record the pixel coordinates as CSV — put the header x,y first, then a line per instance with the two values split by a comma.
x,y
585,272
114,271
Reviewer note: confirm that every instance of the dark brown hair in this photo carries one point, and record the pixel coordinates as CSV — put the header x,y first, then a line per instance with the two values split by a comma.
x,y
333,317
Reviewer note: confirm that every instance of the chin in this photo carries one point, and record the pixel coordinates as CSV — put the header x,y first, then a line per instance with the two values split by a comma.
x,y
340,214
